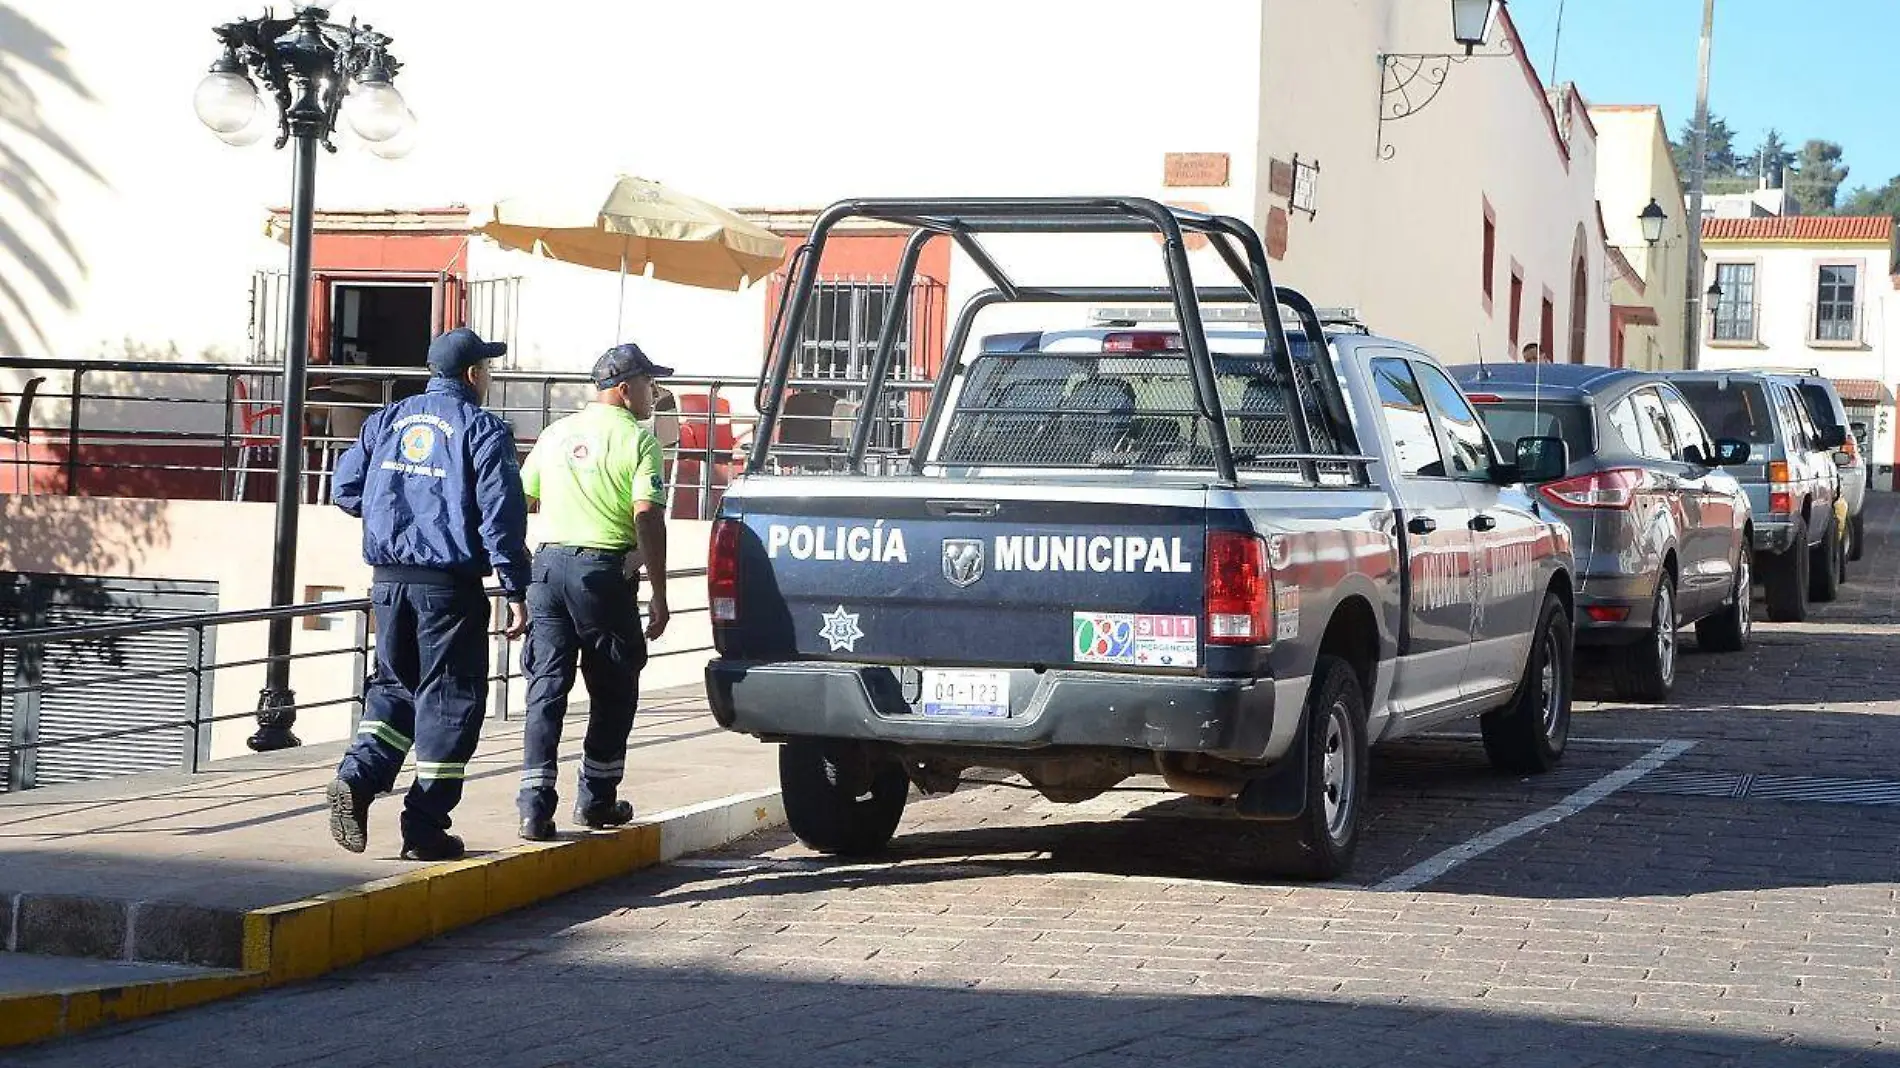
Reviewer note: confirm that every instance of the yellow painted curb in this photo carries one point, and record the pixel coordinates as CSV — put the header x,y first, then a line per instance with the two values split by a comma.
x,y
303,939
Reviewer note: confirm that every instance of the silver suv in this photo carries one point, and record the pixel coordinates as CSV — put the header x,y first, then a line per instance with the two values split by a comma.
x,y
1793,485
1661,526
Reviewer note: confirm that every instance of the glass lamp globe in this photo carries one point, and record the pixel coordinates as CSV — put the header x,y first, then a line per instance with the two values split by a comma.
x,y
225,101
402,143
1471,21
376,110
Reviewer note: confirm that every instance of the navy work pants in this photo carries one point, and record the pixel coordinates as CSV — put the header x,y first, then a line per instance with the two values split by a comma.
x,y
428,694
581,610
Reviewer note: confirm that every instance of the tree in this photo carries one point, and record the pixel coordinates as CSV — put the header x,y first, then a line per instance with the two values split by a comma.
x,y
1770,159
1818,177
1721,149
1882,201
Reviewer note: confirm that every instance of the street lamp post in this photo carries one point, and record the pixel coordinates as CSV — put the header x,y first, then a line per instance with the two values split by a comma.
x,y
1698,170
309,66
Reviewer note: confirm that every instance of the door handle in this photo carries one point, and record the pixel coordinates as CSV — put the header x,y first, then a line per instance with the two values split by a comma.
x,y
1422,524
1483,522
964,509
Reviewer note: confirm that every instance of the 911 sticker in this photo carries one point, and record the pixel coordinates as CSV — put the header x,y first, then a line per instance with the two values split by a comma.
x,y
1135,640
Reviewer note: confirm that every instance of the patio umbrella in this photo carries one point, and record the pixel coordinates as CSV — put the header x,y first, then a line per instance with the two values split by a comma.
x,y
629,224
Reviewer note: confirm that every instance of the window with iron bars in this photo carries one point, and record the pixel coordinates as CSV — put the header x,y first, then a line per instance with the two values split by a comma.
x,y
839,339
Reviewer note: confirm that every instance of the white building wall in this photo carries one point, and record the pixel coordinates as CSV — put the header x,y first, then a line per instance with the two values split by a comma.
x,y
1785,283
743,104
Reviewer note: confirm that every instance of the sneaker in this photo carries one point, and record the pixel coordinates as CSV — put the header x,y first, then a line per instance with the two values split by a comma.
x,y
349,816
447,847
610,814
537,829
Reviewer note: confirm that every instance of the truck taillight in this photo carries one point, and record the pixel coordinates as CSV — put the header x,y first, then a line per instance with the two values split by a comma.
x,y
1615,488
1239,589
1851,447
1780,499
722,571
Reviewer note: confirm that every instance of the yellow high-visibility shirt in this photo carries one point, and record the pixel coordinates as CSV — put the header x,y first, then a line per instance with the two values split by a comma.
x,y
589,470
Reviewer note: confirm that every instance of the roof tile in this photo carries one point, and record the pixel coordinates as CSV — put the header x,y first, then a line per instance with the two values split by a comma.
x,y
1801,228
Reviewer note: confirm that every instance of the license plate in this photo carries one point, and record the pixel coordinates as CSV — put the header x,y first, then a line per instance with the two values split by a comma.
x,y
978,694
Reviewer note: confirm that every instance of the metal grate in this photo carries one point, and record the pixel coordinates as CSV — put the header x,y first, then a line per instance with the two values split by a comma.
x,y
1106,410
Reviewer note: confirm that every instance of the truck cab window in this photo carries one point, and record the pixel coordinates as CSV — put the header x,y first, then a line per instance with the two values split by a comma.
x,y
1407,422
1470,448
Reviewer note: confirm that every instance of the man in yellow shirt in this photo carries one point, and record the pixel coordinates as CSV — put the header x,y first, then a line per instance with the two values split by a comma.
x,y
598,478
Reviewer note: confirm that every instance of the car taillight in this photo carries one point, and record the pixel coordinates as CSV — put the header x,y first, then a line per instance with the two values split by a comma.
x,y
1780,499
722,571
1851,447
1141,341
1615,488
1239,589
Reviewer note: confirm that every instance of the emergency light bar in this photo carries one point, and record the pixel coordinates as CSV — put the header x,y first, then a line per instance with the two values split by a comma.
x,y
1215,313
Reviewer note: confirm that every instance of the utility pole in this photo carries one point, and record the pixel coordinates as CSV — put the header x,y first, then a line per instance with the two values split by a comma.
x,y
1698,171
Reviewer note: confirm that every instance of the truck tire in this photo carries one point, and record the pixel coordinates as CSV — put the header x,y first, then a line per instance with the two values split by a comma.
x,y
1527,736
838,800
1645,670
1728,630
1857,537
1786,577
1824,569
1321,843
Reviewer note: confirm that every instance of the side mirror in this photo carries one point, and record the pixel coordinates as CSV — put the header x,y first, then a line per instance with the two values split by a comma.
x,y
1692,454
1729,452
1833,437
1843,459
1540,460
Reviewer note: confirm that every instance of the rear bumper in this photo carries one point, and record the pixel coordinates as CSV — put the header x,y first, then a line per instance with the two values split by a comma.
x,y
1630,595
1230,718
1772,536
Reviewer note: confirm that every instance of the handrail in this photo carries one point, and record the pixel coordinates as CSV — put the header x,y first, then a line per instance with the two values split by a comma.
x,y
89,631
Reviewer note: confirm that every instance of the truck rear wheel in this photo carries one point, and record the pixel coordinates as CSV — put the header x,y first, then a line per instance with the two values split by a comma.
x,y
1528,736
1824,569
1786,577
839,799
1320,844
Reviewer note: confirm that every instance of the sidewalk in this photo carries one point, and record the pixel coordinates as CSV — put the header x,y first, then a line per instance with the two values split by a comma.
x,y
233,868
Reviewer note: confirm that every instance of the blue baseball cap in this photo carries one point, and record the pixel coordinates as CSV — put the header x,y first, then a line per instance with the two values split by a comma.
x,y
622,362
456,351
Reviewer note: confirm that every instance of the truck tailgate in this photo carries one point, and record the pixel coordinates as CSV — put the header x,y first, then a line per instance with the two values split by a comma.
x,y
973,581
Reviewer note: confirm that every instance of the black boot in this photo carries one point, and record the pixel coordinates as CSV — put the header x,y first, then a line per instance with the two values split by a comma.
x,y
349,816
537,828
447,847
609,814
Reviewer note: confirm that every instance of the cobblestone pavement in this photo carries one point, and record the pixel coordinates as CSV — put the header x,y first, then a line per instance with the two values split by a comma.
x,y
1737,903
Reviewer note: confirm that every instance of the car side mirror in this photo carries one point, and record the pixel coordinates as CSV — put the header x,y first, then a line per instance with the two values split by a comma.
x,y
1833,437
1540,460
1692,454
1729,452
1843,458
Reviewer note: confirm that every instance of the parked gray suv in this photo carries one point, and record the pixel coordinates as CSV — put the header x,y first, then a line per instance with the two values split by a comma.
x,y
1661,528
1792,483
1826,409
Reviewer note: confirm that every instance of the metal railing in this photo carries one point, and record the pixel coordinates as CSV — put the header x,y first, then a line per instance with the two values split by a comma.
x,y
203,431
24,687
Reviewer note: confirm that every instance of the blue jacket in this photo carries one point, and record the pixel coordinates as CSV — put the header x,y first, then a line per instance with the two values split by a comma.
x,y
437,483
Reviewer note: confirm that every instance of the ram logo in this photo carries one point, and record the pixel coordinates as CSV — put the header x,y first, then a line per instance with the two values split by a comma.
x,y
962,561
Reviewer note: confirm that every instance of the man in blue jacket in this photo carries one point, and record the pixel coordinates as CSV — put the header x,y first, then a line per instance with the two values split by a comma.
x,y
436,481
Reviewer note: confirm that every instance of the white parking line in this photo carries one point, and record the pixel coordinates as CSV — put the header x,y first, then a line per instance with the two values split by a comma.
x,y
1473,736
1425,871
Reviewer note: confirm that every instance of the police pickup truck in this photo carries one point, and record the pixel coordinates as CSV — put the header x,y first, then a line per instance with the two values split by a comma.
x,y
1134,549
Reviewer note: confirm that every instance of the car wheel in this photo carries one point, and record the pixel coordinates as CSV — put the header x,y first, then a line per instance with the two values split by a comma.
x,y
1320,844
1728,631
1824,580
1857,536
838,798
1528,736
1786,577
1645,670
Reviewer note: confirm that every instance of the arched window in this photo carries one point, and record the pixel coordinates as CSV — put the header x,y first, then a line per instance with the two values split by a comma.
x,y
1579,299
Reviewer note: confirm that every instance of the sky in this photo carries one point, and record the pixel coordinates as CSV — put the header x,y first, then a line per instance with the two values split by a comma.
x,y
1819,68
